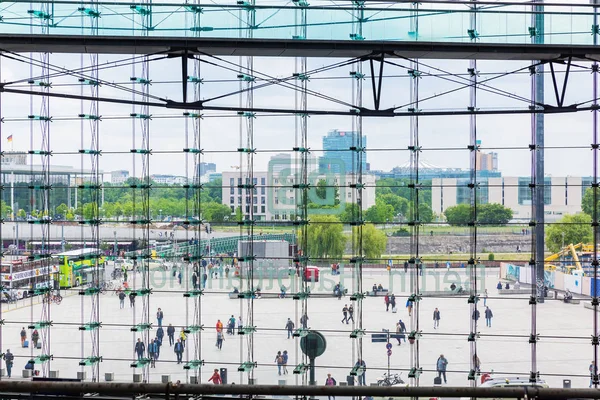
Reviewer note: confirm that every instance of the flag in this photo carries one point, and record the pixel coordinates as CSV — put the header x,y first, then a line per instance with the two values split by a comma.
x,y
9,138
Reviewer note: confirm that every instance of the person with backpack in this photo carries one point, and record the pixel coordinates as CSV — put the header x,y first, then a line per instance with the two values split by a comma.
x,y
132,299
393,302
152,348
409,307
289,325
351,313
279,362
476,315
488,317
23,336
436,318
122,296
35,336
304,321
330,381
220,339
183,336
171,334
160,334
402,329
178,349
9,359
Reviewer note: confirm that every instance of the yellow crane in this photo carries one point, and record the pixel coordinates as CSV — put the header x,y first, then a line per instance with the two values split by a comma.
x,y
570,249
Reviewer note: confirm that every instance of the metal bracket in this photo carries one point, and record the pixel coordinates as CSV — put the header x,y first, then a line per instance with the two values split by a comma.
x,y
560,99
377,90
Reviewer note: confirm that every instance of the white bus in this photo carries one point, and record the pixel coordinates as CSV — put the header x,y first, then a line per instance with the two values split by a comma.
x,y
19,276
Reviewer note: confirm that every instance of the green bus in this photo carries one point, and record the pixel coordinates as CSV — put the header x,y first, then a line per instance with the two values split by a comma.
x,y
78,267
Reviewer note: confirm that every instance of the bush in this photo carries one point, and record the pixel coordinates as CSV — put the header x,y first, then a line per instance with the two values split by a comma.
x,y
401,232
491,257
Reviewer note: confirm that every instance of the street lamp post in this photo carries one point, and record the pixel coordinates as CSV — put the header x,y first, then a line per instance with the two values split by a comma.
x,y
115,249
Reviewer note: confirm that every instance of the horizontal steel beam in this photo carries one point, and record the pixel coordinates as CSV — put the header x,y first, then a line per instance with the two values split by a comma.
x,y
291,48
113,388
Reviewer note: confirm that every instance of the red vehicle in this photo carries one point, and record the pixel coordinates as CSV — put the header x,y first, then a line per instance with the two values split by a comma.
x,y
311,274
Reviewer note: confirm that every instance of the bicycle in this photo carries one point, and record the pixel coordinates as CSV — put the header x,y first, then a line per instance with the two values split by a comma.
x,y
388,380
52,298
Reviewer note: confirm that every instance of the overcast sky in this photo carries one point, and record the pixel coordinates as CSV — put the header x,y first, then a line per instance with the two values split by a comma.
x,y
444,139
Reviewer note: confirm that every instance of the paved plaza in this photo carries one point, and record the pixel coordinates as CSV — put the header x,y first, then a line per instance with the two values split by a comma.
x,y
564,349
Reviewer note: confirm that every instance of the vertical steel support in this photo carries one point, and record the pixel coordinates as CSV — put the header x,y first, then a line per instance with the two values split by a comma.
x,y
300,169
415,266
595,145
538,186
474,190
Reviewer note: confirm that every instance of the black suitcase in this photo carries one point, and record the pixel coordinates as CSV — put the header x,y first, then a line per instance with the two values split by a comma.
x,y
437,380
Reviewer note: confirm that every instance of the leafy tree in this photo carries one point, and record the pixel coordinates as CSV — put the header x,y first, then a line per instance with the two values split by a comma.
x,y
576,228
374,241
380,213
90,211
21,213
324,192
493,214
61,209
425,213
458,215
215,190
587,203
350,213
400,204
215,212
69,215
325,237
239,215
5,209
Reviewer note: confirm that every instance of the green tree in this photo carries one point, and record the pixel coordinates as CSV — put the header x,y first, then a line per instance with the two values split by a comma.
x,y
425,213
325,237
324,192
374,241
215,212
587,203
493,214
380,213
458,215
69,215
5,209
61,209
21,213
90,211
239,215
400,204
350,213
215,190
576,228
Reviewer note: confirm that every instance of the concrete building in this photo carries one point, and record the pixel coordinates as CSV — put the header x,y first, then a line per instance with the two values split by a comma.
x,y
206,168
169,179
273,196
562,195
119,177
337,154
429,171
486,161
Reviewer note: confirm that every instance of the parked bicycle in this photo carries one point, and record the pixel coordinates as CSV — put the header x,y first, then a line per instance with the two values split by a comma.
x,y
388,380
52,298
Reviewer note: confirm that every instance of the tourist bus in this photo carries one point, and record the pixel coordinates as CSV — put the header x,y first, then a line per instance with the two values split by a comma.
x,y
78,267
21,276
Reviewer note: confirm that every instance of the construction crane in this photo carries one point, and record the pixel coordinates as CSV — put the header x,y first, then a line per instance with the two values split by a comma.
x,y
572,250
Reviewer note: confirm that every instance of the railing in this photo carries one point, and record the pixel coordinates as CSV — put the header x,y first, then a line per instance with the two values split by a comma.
x,y
174,390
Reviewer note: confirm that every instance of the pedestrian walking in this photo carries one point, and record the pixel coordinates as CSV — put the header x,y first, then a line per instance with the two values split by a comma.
x,y
399,333
183,336
409,306
158,345
231,326
215,378
345,312
279,362
240,324
160,334
35,336
285,356
330,381
23,336
220,339
476,363
476,315
152,349
405,266
219,326
304,321
171,334
204,279
159,317
9,359
393,302
289,325
485,297
386,299
179,276
140,348
362,376
351,313
593,372
122,296
436,318
131,299
441,366
195,281
178,349
488,317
